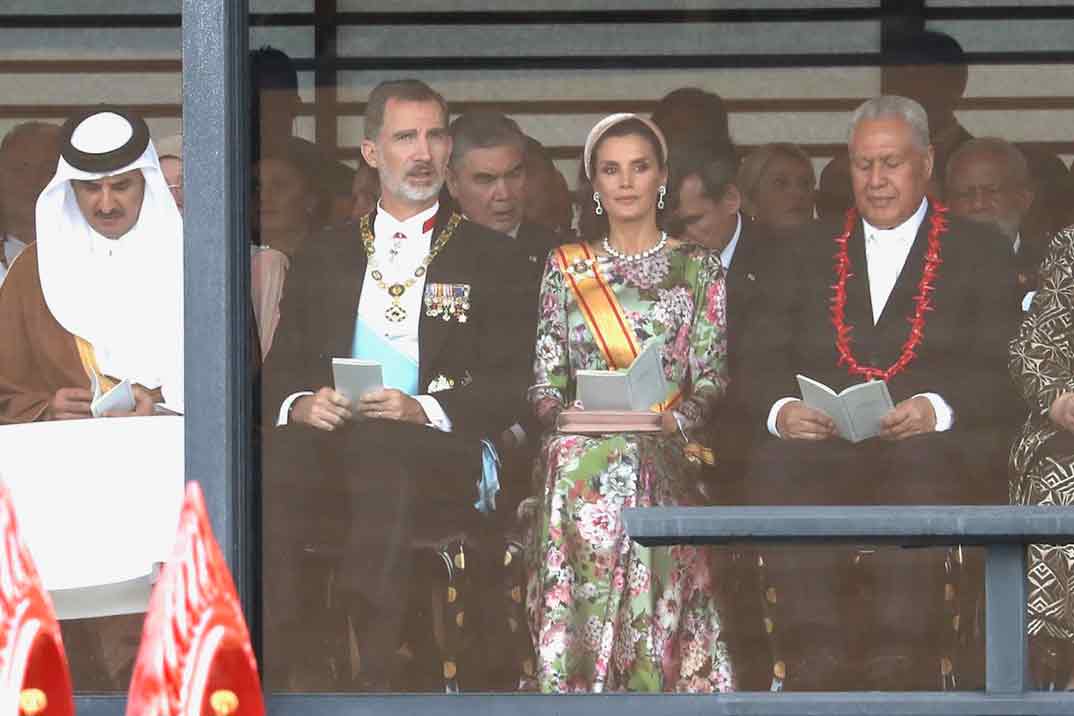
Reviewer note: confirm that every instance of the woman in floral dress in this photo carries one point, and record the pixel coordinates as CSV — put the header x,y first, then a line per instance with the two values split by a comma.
x,y
606,613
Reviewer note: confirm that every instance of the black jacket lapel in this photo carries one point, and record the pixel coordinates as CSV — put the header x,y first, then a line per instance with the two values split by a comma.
x,y
342,307
893,325
433,330
859,308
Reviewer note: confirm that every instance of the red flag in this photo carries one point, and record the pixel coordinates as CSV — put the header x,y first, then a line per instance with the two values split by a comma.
x,y
34,677
195,658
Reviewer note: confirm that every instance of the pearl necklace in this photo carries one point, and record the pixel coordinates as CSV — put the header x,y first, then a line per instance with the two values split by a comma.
x,y
630,258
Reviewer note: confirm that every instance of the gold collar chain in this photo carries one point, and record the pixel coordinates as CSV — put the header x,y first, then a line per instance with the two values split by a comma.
x,y
395,312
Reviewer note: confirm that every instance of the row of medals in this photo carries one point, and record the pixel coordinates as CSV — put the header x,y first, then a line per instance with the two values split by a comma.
x,y
444,300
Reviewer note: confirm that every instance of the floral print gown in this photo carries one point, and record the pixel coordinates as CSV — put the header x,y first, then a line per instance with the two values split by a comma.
x,y
606,613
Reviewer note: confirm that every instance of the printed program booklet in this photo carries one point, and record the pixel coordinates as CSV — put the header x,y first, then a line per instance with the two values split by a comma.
x,y
637,388
354,377
856,411
120,399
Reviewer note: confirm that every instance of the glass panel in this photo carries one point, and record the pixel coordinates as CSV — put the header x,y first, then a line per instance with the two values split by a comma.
x,y
379,574
91,312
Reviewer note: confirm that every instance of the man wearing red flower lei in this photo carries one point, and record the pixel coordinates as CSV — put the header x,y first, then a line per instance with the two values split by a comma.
x,y
904,293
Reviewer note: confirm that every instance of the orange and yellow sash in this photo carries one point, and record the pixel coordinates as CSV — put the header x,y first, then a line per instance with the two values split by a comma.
x,y
89,362
602,311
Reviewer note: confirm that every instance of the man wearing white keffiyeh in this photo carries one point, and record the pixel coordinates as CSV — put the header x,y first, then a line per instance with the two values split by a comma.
x,y
97,300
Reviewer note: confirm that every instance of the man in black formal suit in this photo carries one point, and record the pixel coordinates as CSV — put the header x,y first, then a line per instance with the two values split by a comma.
x,y
422,290
488,180
867,628
704,208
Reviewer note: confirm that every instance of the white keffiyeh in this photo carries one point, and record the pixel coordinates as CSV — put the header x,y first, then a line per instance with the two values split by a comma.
x,y
124,296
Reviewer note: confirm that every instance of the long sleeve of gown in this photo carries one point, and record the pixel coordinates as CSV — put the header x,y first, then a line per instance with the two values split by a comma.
x,y
37,357
551,365
707,343
1042,354
20,400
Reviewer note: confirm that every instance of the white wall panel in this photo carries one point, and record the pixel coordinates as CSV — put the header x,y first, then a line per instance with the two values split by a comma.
x,y
295,41
1021,126
1009,35
995,3
91,43
1020,81
105,7
148,88
605,39
281,5
537,5
158,127
88,7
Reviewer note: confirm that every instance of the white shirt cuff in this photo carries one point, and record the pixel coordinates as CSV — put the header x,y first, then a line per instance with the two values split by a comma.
x,y
437,417
285,409
774,413
945,416
1027,301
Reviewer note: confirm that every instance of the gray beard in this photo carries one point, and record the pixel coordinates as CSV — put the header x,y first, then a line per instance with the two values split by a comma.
x,y
414,193
401,187
1008,229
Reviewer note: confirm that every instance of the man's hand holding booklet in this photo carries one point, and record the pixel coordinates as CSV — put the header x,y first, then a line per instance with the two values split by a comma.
x,y
354,378
856,411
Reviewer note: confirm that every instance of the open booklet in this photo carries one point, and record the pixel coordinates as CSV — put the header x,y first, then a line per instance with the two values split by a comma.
x,y
637,388
120,399
856,411
354,377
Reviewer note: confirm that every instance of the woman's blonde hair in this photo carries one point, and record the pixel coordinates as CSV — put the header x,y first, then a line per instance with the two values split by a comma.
x,y
755,163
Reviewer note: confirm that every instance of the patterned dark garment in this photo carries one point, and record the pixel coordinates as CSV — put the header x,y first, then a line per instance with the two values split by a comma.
x,y
1042,457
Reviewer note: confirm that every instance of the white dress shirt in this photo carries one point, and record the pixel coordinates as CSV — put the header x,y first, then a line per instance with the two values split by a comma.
x,y
374,300
728,253
885,253
1027,299
10,248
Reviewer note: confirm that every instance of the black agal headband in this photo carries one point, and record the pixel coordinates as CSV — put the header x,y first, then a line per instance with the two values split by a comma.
x,y
104,139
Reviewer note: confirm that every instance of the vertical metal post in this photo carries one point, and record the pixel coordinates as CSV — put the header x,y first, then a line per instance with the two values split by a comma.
x,y
218,365
1005,616
326,77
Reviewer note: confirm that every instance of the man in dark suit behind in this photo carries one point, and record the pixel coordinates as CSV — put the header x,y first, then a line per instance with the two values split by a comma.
x,y
487,178
423,290
945,367
705,208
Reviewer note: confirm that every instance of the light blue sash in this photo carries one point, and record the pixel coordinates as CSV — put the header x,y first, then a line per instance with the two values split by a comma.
x,y
489,484
400,372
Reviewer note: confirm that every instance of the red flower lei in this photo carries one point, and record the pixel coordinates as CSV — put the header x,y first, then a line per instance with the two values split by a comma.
x,y
922,301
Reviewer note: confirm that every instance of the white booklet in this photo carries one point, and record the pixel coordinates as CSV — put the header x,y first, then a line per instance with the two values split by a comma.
x,y
120,399
637,388
354,377
856,411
